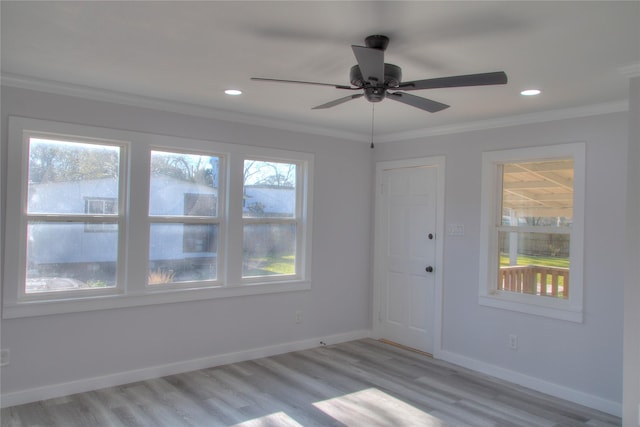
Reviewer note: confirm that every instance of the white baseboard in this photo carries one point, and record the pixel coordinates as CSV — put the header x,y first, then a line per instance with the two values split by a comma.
x,y
556,390
95,383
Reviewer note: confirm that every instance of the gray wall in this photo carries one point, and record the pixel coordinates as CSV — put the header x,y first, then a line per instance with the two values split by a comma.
x,y
64,348
631,389
585,357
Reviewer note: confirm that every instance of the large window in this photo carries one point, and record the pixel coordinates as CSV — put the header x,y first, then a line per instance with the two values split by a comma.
x,y
532,223
101,218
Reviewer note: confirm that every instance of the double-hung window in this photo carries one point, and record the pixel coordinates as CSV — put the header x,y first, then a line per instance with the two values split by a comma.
x,y
184,201
103,218
271,216
73,221
532,225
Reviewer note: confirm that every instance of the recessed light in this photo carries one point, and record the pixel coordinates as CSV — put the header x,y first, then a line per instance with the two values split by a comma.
x,y
233,92
530,92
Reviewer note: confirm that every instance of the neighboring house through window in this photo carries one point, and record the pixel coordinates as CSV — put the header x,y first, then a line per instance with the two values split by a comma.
x,y
107,218
199,239
183,215
60,256
100,206
271,217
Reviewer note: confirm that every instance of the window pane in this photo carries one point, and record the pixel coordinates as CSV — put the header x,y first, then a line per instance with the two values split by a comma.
x,y
184,184
534,263
100,206
182,253
63,256
63,174
538,193
269,190
269,249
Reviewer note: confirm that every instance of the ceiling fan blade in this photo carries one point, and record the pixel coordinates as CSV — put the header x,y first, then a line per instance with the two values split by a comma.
x,y
262,79
371,63
417,101
495,78
338,101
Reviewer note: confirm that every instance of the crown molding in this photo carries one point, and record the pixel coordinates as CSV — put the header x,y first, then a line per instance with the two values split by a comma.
x,y
59,88
86,92
522,119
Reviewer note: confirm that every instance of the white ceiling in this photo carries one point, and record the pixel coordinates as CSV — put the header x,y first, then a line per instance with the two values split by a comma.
x,y
189,52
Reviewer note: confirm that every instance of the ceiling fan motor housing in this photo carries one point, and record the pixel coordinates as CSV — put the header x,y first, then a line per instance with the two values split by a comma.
x,y
392,77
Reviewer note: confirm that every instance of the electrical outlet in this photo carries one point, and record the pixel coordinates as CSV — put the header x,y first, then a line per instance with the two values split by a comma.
x,y
4,357
298,317
513,342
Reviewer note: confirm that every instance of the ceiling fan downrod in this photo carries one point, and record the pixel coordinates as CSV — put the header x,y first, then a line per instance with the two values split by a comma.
x,y
377,41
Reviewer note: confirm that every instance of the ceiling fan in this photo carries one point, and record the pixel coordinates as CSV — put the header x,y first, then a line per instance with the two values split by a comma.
x,y
379,80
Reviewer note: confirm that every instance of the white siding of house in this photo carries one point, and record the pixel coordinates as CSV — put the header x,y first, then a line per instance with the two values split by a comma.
x,y
69,197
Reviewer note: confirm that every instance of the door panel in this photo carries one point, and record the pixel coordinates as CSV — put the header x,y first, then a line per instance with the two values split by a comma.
x,y
407,209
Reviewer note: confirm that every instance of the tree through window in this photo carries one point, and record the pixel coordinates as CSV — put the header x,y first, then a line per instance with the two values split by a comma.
x,y
184,221
62,254
271,218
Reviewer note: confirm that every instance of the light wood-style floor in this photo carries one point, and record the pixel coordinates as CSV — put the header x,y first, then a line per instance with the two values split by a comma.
x,y
359,383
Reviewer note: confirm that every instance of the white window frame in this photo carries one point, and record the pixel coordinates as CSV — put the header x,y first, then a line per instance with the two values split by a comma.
x,y
218,220
570,309
132,288
297,219
18,166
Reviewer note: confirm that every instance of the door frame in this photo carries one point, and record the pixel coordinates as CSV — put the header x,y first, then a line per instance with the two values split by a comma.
x,y
378,252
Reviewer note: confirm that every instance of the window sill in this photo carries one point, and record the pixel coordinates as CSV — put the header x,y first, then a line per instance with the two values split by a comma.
x,y
104,302
531,304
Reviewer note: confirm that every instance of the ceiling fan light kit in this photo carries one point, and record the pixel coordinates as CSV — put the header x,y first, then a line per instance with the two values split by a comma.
x,y
378,80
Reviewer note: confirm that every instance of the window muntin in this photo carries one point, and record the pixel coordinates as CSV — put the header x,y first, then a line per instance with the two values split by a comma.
x,y
271,216
66,179
184,221
536,205
100,206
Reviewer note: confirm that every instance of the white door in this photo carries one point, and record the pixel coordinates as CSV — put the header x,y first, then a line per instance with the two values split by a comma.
x,y
406,249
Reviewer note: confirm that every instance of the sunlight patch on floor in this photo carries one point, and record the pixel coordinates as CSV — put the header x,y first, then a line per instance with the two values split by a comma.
x,y
373,407
279,419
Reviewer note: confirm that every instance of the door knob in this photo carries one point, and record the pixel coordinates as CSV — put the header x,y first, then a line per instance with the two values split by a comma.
x,y
429,269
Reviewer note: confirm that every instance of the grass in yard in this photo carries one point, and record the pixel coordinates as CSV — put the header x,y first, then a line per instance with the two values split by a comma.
x,y
270,265
536,260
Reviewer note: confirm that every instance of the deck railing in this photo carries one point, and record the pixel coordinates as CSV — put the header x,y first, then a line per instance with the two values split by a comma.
x,y
535,280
